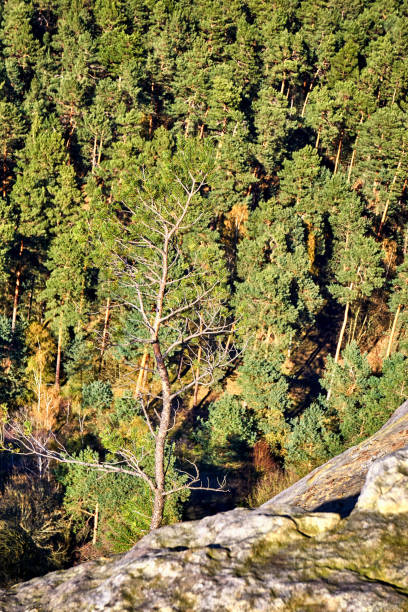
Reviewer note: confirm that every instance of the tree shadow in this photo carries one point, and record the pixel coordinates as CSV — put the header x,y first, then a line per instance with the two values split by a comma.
x,y
341,505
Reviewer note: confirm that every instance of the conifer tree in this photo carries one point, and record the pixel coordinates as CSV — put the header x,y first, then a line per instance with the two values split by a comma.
x,y
398,300
356,261
20,46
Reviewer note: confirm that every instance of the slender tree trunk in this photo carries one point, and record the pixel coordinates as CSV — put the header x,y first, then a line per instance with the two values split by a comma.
x,y
387,204
353,157
268,338
336,165
392,334
5,171
318,137
302,114
161,436
140,377
354,327
230,336
339,343
30,300
94,152
145,375
100,150
59,349
343,329
105,332
96,520
197,372
17,289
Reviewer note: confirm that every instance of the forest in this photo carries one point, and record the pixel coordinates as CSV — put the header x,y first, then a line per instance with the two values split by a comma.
x,y
203,239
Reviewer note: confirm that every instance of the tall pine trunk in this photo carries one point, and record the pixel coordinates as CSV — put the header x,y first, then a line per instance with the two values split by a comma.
x,y
339,343
141,375
105,332
17,289
59,350
336,164
387,204
161,435
392,334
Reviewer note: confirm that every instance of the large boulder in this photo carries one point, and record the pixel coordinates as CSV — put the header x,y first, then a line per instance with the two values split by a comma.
x,y
336,485
280,557
386,487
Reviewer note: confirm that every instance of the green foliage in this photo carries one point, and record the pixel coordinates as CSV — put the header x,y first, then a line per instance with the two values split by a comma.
x,y
124,501
13,359
97,395
265,392
229,429
363,402
312,442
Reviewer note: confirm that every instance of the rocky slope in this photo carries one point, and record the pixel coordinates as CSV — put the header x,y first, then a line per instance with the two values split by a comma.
x,y
279,557
336,485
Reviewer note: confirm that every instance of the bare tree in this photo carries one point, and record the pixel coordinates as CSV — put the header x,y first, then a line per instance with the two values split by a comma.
x,y
178,306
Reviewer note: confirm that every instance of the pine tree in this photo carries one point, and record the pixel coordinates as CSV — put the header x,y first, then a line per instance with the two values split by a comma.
x,y
398,300
382,161
356,261
276,294
20,46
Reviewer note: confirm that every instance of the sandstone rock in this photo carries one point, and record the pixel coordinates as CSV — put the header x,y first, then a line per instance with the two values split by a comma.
x,y
386,486
243,560
336,485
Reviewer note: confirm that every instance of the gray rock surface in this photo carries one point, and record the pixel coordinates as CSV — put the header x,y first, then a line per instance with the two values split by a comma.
x,y
336,485
386,486
279,557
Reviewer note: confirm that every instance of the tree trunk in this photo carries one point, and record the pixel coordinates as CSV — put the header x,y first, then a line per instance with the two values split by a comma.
x,y
392,335
353,157
336,165
158,509
58,365
94,152
354,325
17,290
339,343
140,377
387,204
230,336
318,137
197,374
96,520
100,150
161,436
5,171
302,114
105,332
30,300
341,336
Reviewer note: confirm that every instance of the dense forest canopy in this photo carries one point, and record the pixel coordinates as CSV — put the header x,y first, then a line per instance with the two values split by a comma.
x,y
272,138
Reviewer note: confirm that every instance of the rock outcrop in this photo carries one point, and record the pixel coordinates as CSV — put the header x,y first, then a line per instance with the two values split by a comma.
x,y
336,485
280,557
